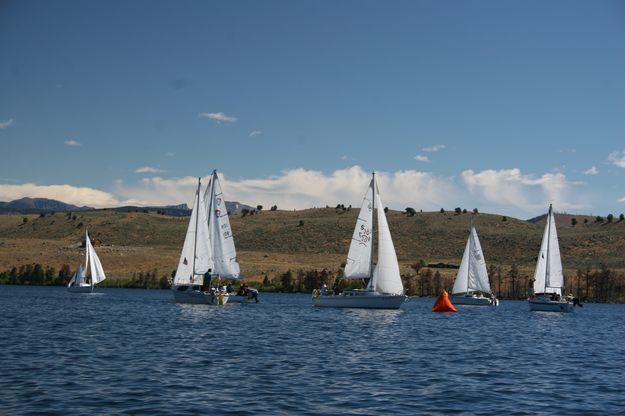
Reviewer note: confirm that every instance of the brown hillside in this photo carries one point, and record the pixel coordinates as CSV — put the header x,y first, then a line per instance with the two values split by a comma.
x,y
274,241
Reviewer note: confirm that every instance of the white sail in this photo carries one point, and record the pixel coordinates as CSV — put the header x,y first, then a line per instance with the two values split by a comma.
x,y
78,278
196,256
97,272
224,252
548,277
386,278
358,264
472,275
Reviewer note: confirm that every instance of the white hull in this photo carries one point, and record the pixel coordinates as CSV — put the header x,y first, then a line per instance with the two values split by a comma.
x,y
472,300
80,289
548,305
186,294
359,299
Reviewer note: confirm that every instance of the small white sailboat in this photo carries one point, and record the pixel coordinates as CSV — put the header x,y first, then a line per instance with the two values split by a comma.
x,y
208,248
471,286
548,287
78,283
384,289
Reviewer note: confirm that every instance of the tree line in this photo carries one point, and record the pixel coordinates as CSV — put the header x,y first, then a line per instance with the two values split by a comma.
x,y
599,285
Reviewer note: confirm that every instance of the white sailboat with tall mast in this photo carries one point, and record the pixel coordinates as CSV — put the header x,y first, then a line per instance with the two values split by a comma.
x,y
196,258
78,283
384,289
548,285
472,286
225,261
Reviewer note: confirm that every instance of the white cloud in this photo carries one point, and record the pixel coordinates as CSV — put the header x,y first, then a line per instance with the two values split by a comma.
x,y
344,157
434,148
622,199
66,193
255,133
422,158
148,169
592,171
71,143
218,117
510,188
301,188
170,154
7,123
617,158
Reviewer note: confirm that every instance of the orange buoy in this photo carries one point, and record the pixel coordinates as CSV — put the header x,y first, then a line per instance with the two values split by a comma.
x,y
443,304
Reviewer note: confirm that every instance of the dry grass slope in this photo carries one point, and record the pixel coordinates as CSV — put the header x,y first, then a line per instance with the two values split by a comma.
x,y
275,241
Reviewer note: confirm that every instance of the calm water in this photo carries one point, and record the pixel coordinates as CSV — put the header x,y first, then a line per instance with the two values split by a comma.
x,y
136,352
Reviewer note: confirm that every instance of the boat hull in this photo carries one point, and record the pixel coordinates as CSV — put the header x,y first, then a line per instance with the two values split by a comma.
x,y
80,289
548,305
365,300
472,300
198,297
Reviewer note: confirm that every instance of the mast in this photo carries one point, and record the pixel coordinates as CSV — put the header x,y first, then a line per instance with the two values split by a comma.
x,y
86,250
470,248
548,266
372,224
197,216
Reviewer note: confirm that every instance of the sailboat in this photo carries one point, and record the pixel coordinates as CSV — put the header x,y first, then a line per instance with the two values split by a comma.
x,y
384,289
471,286
225,263
78,283
548,287
208,248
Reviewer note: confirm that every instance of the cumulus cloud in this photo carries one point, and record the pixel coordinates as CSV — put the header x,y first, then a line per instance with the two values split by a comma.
x,y
511,188
147,169
7,123
218,117
301,188
67,193
71,143
617,158
592,171
434,148
255,133
422,158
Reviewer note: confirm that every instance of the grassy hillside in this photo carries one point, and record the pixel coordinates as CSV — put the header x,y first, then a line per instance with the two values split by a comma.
x,y
274,241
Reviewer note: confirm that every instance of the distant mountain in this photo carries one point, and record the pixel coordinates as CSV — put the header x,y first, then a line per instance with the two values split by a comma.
x,y
33,205
38,205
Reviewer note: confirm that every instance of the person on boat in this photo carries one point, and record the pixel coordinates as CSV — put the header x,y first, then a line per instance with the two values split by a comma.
x,y
207,280
530,288
229,288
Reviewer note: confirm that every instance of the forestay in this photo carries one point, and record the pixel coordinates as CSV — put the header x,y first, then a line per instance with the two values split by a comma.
x,y
224,252
358,264
548,277
472,275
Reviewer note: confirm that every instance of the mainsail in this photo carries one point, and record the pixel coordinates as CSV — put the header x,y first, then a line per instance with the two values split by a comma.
x,y
548,277
358,263
224,252
97,272
472,275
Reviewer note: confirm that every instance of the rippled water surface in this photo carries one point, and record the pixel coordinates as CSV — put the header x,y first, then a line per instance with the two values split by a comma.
x,y
137,352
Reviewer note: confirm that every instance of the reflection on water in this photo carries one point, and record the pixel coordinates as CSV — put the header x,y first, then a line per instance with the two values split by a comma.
x,y
137,352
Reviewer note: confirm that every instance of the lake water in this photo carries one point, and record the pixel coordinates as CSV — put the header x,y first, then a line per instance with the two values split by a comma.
x,y
124,351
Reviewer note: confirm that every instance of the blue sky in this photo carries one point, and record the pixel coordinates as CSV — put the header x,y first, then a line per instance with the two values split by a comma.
x,y
504,106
